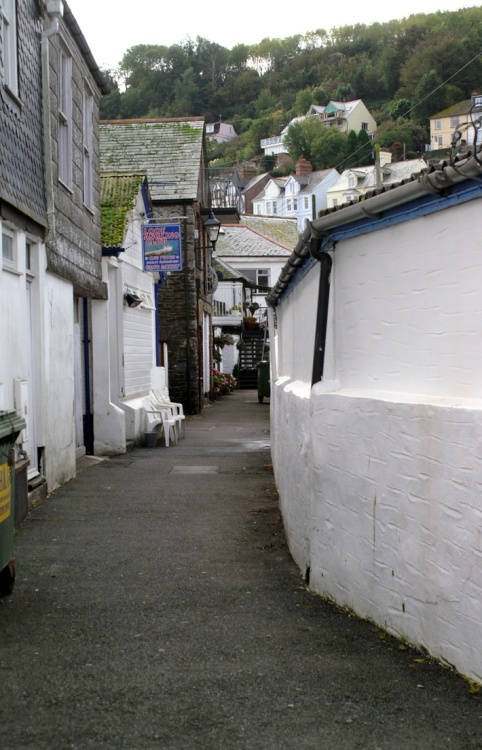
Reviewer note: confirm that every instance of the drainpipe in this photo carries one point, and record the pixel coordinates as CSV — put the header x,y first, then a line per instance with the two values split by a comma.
x,y
88,429
47,126
186,306
324,259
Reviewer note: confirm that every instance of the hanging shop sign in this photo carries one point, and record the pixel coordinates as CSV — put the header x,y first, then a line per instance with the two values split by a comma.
x,y
161,247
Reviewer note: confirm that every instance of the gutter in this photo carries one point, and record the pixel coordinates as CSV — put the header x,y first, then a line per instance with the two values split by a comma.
x,y
434,183
84,48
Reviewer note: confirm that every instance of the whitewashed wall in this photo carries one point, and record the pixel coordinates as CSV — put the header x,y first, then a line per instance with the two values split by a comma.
x,y
379,467
131,336
40,352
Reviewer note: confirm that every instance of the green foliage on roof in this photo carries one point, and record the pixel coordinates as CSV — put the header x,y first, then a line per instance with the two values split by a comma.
x,y
117,197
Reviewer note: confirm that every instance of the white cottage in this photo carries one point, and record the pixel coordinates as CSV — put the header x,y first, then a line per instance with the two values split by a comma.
x,y
377,410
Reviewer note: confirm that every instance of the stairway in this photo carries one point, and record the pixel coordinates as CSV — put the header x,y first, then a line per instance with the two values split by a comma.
x,y
249,356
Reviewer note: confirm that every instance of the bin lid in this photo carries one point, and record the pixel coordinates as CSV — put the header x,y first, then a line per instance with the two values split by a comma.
x,y
10,424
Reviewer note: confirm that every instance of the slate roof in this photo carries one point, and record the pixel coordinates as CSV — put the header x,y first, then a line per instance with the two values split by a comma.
x,y
117,198
281,230
391,174
241,241
309,181
166,150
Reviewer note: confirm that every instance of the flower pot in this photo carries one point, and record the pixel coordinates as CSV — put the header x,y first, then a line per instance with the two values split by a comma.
x,y
150,439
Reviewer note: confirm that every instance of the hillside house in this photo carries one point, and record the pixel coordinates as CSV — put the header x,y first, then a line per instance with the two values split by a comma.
x,y
345,116
51,271
171,152
299,196
356,182
220,132
376,409
444,124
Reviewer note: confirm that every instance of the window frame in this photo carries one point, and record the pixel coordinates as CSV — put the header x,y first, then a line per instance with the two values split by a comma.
x,y
262,273
10,45
10,263
64,106
88,145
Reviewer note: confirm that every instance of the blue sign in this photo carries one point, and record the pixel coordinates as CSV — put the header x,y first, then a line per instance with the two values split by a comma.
x,y
161,247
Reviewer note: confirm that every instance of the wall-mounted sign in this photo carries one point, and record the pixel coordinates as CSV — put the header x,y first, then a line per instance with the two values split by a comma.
x,y
161,247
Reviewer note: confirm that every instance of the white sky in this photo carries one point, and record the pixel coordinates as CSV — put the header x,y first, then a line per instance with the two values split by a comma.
x,y
111,27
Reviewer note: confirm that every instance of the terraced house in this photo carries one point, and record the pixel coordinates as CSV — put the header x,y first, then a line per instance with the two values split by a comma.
x,y
51,268
171,153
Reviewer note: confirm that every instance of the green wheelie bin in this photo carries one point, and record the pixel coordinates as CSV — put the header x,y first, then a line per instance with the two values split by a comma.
x,y
264,389
10,426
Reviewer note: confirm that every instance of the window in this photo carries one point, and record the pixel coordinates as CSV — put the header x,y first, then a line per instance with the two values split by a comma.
x,y
275,207
65,116
257,208
288,204
9,254
8,12
438,124
351,181
335,202
364,126
295,204
262,276
454,121
306,202
88,147
268,207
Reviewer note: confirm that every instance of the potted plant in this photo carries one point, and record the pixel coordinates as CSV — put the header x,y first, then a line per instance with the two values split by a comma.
x,y
250,322
223,340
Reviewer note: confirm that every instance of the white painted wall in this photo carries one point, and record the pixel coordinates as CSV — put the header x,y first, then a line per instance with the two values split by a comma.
x,y
131,336
379,467
47,343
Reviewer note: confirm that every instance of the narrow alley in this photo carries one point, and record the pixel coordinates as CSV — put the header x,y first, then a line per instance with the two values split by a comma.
x,y
157,606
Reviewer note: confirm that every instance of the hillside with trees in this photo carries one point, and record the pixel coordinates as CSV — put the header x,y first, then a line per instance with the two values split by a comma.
x,y
404,70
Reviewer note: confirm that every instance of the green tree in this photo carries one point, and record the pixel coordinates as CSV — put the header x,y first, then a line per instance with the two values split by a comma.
x,y
400,108
110,104
429,97
364,149
322,146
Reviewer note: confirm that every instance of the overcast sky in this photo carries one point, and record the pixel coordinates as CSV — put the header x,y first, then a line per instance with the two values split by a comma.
x,y
111,27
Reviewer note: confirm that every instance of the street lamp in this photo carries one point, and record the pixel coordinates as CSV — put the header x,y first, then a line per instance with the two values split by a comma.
x,y
212,227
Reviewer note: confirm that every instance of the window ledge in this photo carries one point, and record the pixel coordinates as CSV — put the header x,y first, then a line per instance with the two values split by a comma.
x,y
64,185
11,99
11,269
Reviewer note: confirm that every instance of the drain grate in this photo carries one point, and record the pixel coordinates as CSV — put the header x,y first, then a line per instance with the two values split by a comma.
x,y
194,470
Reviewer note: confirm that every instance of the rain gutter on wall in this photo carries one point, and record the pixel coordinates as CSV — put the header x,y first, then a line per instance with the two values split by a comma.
x,y
433,186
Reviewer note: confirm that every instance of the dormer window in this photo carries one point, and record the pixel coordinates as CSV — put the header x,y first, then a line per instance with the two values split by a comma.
x,y
351,181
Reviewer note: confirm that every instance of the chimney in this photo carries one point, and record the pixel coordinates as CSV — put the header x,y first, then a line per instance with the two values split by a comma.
x,y
385,157
246,171
303,167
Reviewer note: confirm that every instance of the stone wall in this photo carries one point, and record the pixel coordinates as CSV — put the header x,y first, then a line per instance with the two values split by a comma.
x,y
180,315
